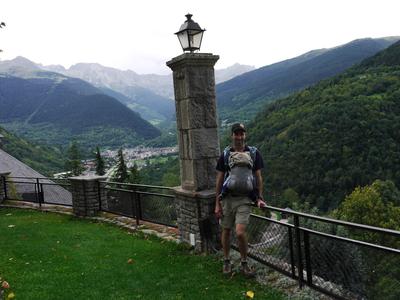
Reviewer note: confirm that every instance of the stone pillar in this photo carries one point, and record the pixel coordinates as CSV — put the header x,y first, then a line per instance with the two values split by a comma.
x,y
3,188
197,126
85,195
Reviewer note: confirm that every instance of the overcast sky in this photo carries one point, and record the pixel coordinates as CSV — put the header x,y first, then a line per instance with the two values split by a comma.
x,y
139,35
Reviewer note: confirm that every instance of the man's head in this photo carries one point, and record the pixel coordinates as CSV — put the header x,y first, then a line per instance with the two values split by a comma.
x,y
238,135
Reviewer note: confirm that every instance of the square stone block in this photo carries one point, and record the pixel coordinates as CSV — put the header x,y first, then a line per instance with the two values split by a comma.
x,y
211,163
195,113
183,138
180,84
203,143
200,82
187,174
200,175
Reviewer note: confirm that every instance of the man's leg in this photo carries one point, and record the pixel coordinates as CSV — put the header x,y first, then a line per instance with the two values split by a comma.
x,y
242,240
226,241
243,248
226,246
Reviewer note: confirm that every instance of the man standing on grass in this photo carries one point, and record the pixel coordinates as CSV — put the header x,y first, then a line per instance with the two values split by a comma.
x,y
238,185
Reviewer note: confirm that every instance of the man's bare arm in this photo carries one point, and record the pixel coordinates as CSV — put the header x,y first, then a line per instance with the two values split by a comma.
x,y
260,199
218,189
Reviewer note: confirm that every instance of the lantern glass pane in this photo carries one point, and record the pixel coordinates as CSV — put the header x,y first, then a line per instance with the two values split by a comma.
x,y
195,39
183,39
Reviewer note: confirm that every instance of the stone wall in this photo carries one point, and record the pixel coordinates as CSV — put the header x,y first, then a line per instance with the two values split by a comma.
x,y
196,221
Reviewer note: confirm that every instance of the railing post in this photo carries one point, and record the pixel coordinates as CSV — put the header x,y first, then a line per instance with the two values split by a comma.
x,y
99,194
41,193
291,252
134,207
307,257
139,215
38,194
299,256
3,186
139,203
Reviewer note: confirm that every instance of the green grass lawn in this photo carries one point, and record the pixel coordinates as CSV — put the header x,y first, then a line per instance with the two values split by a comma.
x,y
51,256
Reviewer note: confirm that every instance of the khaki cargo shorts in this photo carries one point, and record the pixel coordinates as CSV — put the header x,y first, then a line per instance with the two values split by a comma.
x,y
235,210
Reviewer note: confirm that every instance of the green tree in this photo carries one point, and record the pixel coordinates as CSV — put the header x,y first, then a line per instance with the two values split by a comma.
x,y
121,172
171,179
377,204
290,198
100,166
74,163
134,175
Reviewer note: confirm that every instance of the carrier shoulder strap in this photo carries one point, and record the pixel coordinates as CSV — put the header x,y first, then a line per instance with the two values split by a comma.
x,y
253,153
227,152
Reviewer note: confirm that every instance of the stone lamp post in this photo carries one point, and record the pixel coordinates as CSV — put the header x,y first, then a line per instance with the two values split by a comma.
x,y
194,86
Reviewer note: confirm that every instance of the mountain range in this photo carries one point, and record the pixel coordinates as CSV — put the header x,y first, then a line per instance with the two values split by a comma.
x,y
45,106
240,98
50,107
150,94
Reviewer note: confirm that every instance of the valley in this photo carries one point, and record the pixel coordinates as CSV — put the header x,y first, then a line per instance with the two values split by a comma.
x,y
310,116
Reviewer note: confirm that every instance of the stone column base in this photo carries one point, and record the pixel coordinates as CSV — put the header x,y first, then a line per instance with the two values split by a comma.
x,y
196,222
86,195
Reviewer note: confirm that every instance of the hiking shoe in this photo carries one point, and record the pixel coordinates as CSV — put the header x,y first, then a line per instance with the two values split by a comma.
x,y
246,270
227,267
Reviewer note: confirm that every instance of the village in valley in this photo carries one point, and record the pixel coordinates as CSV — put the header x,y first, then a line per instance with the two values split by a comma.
x,y
139,156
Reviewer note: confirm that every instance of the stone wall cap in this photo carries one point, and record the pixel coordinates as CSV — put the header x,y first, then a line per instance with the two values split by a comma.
x,y
193,58
195,194
87,178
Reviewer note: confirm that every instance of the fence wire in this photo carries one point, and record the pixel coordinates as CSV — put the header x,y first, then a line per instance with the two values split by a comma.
x,y
148,203
119,202
23,189
56,191
39,190
341,260
158,209
269,242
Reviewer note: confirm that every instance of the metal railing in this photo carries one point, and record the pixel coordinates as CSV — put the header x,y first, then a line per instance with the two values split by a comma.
x,y
341,259
143,202
39,190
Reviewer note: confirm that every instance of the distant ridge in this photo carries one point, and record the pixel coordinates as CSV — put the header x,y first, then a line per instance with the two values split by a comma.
x,y
151,95
242,97
391,57
33,98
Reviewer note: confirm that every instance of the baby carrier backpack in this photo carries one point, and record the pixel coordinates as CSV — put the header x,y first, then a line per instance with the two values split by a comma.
x,y
239,179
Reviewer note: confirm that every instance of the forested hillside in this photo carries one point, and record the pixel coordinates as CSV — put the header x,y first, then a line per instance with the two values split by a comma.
x,y
240,98
53,109
45,160
321,143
